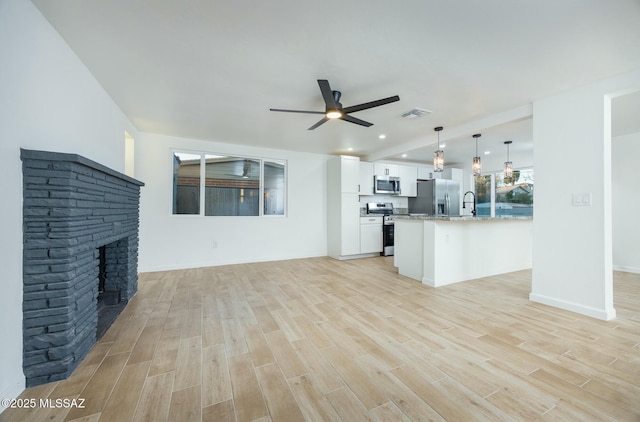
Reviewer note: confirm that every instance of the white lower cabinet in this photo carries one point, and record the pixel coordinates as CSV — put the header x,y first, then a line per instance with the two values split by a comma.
x,y
350,227
370,234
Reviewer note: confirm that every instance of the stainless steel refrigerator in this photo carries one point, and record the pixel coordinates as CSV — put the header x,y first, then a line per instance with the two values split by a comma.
x,y
437,197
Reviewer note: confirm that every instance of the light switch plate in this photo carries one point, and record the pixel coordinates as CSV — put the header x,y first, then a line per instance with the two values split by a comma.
x,y
581,199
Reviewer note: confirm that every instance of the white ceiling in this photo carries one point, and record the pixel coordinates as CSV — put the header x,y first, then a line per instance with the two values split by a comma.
x,y
212,69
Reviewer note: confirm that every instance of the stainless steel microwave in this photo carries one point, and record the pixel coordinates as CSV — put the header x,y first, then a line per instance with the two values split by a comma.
x,y
386,184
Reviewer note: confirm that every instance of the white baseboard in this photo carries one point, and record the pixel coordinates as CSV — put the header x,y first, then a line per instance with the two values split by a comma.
x,y
603,314
428,282
13,390
359,256
217,263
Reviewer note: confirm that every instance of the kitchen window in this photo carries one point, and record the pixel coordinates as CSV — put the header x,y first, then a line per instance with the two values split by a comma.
x,y
500,196
484,195
514,195
224,185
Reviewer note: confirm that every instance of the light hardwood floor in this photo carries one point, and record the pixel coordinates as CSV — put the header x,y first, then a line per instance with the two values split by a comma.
x,y
324,340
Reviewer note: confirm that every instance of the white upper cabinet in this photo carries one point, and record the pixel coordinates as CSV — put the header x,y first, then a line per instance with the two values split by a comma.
x,y
425,172
350,174
385,169
366,178
451,173
408,180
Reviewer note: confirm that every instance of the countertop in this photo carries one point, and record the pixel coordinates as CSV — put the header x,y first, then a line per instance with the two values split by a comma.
x,y
396,211
461,218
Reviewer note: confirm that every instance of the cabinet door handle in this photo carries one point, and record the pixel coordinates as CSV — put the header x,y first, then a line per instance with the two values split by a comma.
x,y
358,188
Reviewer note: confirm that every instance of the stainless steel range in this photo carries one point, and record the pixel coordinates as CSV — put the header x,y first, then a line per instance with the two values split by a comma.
x,y
388,221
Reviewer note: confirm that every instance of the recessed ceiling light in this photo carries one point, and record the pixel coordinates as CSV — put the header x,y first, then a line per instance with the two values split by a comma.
x,y
382,136
349,149
487,152
404,155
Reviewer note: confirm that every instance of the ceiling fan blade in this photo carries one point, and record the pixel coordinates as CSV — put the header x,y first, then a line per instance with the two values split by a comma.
x,y
324,119
370,104
355,120
327,94
297,111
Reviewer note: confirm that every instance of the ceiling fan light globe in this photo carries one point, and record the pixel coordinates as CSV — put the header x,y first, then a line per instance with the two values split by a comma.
x,y
333,114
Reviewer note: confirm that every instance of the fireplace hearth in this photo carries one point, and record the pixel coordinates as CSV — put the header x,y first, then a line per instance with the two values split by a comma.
x,y
80,255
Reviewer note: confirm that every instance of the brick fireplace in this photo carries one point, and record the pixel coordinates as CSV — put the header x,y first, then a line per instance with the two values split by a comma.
x,y
80,223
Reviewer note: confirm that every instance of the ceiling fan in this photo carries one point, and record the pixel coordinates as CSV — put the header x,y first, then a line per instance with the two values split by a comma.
x,y
334,110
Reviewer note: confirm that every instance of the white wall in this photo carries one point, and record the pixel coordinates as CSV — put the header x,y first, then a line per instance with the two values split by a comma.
x,y
48,101
572,245
626,202
180,241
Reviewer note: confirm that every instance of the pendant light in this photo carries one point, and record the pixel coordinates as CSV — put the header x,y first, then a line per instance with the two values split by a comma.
x,y
476,166
438,156
508,165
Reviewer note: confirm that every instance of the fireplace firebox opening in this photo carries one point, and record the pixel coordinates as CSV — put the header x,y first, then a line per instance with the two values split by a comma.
x,y
110,302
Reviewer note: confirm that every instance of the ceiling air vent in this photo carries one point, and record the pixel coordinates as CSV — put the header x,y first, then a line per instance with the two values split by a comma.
x,y
416,112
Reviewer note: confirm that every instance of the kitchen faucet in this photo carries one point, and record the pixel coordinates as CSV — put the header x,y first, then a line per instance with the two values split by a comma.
x,y
473,211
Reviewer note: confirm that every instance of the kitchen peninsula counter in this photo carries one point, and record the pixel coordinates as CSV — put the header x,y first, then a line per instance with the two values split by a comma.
x,y
442,250
462,218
